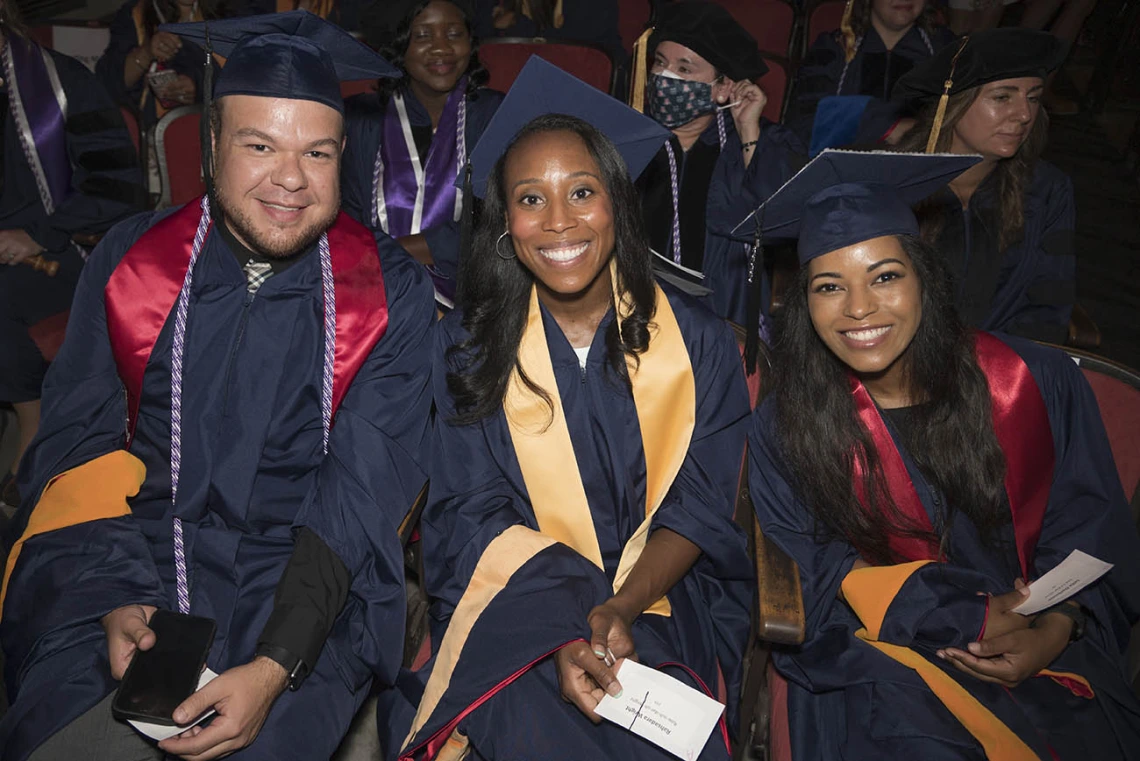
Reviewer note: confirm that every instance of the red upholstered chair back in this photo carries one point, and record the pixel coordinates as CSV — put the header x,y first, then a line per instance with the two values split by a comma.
x,y
633,15
179,149
504,58
47,334
1117,391
824,17
770,21
348,89
775,85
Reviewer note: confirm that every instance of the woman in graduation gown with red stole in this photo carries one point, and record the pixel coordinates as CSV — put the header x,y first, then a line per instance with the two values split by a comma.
x,y
581,510
917,472
409,142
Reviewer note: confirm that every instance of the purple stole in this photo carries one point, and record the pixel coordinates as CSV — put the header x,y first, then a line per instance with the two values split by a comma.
x,y
38,106
142,290
408,196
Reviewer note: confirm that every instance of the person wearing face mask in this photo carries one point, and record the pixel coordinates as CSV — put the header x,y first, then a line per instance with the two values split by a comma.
x,y
408,142
877,43
921,474
722,159
589,431
1005,226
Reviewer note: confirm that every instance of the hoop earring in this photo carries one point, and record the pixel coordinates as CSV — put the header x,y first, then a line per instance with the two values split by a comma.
x,y
500,253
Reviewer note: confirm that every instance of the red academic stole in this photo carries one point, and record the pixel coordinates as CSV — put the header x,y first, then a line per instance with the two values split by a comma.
x,y
1021,424
144,287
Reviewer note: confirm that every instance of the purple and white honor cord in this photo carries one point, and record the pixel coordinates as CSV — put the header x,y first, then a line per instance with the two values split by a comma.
x,y
178,351
674,185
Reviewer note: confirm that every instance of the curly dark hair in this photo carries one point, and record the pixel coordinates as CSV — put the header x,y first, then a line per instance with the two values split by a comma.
x,y
495,292
952,439
393,45
1013,175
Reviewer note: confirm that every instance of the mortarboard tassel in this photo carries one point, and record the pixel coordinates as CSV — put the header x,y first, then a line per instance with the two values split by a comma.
x,y
940,113
846,32
205,130
640,71
754,305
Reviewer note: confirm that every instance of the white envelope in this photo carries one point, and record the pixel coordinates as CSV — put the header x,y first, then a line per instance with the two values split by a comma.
x,y
665,711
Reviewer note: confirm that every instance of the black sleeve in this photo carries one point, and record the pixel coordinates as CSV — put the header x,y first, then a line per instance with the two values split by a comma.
x,y
309,597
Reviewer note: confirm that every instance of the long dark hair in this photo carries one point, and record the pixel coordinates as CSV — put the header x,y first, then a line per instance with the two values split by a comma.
x,y
10,19
1012,176
495,292
394,45
951,440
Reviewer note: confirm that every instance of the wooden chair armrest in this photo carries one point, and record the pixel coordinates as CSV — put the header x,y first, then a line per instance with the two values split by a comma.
x,y
412,517
1083,332
780,602
779,597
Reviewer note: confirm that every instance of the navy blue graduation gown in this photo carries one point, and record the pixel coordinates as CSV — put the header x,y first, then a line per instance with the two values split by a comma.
x,y
873,71
364,128
253,472
478,493
715,191
1029,288
106,186
848,700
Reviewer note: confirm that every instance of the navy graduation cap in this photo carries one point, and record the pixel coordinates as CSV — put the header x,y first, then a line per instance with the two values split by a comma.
x,y
294,55
846,197
542,88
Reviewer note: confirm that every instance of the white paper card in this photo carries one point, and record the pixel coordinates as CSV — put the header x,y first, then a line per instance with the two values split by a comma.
x,y
160,731
1072,575
666,712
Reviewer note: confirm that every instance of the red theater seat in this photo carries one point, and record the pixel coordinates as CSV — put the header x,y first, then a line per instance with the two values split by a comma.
x,y
48,334
771,22
132,124
824,17
505,57
775,85
348,89
633,16
179,149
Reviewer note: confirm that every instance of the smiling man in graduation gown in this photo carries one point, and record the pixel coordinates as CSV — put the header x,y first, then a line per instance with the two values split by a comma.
x,y
234,428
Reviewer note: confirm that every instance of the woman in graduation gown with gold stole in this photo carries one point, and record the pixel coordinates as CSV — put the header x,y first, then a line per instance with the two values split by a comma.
x,y
917,472
586,456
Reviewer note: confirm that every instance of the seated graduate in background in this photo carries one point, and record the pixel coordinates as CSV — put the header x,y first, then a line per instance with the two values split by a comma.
x,y
918,472
594,22
151,71
1005,226
235,427
590,424
843,86
409,142
703,64
69,169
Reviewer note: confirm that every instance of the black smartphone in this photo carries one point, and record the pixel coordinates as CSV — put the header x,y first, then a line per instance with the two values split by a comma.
x,y
159,679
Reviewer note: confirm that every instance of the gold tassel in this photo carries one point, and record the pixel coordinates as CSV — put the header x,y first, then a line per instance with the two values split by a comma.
x,y
940,113
640,71
846,32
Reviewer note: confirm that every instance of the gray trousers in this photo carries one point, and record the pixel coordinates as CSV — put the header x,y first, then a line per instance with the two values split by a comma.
x,y
97,736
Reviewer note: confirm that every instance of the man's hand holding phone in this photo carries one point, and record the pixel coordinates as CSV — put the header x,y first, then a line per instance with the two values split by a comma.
x,y
127,632
242,697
